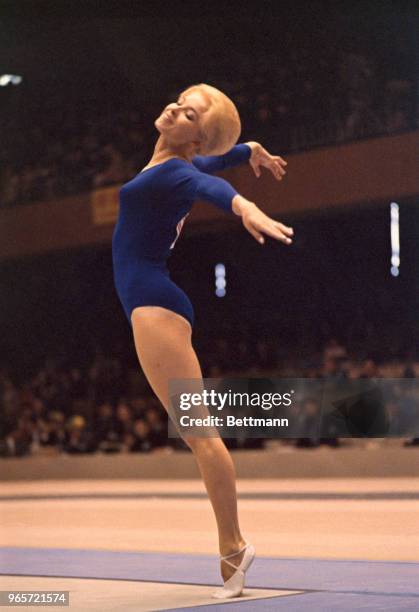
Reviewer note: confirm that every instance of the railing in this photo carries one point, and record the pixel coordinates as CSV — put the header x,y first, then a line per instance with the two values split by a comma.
x,y
300,138
338,131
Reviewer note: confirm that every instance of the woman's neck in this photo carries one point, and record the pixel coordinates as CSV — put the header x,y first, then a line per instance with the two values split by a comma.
x,y
163,151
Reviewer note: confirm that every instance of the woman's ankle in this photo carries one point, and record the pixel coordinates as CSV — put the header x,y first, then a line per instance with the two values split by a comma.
x,y
232,546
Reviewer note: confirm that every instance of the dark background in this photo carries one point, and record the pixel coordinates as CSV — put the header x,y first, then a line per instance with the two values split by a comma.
x,y
335,281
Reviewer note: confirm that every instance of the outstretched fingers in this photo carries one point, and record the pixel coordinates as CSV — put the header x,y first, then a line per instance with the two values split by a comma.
x,y
279,164
269,230
277,230
277,233
257,224
284,228
256,234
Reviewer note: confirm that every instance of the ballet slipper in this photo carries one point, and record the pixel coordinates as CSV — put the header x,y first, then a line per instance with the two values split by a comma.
x,y
234,585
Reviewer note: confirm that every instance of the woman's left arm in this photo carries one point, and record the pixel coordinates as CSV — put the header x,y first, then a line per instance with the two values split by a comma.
x,y
253,152
260,157
237,155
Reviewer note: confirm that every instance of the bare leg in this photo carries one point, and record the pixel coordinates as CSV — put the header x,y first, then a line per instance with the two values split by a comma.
x,y
164,348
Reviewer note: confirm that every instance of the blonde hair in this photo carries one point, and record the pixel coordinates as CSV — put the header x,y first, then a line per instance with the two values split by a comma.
x,y
221,125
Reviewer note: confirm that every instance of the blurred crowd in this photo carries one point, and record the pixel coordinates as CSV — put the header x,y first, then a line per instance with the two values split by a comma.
x,y
104,408
297,100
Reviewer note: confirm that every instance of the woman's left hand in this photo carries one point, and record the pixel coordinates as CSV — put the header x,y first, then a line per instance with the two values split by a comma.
x,y
261,157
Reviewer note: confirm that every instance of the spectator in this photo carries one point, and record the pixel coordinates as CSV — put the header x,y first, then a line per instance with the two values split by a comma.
x,y
52,431
157,427
78,439
140,442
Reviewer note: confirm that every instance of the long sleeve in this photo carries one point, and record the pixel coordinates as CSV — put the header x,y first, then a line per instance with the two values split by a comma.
x,y
214,189
213,163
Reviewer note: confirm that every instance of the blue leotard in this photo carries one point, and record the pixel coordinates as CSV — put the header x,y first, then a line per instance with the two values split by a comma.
x,y
153,207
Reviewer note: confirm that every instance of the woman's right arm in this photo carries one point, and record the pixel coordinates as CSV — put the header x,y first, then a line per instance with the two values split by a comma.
x,y
257,223
219,191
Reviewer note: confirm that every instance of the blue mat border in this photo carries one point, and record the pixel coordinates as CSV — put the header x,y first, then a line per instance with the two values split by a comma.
x,y
326,584
383,578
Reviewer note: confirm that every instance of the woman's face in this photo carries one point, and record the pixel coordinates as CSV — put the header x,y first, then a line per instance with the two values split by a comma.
x,y
181,121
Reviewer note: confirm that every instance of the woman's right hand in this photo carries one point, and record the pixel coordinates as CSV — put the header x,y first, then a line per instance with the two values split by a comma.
x,y
257,223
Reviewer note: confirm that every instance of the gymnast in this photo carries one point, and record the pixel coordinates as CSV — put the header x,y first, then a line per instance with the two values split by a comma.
x,y
198,136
